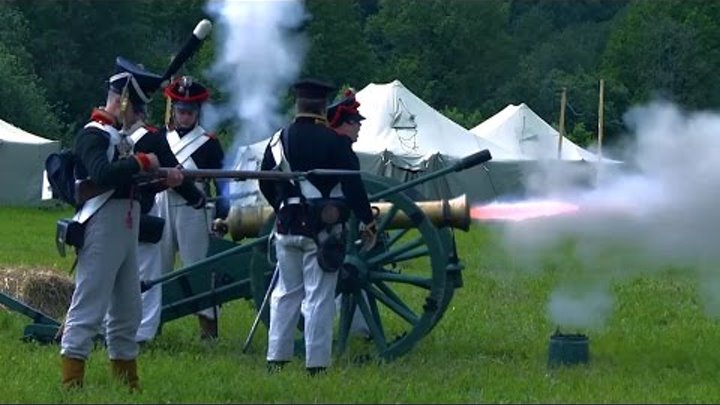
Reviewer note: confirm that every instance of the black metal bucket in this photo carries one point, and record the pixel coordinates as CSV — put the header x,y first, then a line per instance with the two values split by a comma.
x,y
568,349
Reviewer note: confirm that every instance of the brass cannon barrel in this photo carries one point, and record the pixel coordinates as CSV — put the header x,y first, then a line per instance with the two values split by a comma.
x,y
247,222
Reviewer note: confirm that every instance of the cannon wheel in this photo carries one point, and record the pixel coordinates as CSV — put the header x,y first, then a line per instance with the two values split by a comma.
x,y
401,287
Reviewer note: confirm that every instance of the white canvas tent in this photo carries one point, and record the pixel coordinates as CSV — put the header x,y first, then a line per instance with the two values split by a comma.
x,y
402,137
401,123
22,164
520,130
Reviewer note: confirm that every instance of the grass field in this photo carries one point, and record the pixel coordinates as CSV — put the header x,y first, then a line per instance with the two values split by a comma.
x,y
491,346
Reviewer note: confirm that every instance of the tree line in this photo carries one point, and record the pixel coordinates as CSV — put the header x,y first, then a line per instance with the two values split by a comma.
x,y
468,59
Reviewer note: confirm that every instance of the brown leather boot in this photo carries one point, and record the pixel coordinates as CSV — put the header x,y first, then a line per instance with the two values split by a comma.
x,y
208,328
126,371
73,372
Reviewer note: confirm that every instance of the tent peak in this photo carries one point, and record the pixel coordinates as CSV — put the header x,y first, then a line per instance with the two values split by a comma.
x,y
11,133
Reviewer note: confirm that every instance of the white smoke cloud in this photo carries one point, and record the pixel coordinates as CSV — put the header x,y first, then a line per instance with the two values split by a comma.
x,y
580,308
259,54
663,214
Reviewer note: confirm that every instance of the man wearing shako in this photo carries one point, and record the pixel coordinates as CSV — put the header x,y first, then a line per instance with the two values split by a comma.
x,y
106,277
187,230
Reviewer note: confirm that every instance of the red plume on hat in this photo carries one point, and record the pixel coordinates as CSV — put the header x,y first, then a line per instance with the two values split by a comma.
x,y
185,90
345,109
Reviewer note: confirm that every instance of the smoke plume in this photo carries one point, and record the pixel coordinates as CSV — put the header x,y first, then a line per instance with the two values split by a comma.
x,y
663,213
260,50
259,54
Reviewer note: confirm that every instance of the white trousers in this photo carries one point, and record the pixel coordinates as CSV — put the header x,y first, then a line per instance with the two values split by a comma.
x,y
150,265
106,282
301,286
186,232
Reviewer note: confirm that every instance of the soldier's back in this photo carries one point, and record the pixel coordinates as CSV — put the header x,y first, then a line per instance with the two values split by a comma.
x,y
311,146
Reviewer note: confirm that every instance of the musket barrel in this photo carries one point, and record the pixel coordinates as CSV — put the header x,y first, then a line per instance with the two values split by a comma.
x,y
248,222
240,175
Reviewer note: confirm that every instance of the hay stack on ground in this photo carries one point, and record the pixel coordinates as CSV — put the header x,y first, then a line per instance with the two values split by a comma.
x,y
48,291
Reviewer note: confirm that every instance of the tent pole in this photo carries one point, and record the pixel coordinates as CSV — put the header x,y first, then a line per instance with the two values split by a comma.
x,y
561,135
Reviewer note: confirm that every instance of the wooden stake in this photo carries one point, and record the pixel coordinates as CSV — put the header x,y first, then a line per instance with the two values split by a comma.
x,y
600,117
561,135
168,102
168,111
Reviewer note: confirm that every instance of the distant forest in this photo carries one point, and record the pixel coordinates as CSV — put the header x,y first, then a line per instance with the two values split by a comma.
x,y
466,58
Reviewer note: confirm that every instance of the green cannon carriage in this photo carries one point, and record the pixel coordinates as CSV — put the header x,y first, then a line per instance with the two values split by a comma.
x,y
402,286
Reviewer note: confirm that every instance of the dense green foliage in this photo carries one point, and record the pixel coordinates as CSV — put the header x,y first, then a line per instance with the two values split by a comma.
x,y
468,59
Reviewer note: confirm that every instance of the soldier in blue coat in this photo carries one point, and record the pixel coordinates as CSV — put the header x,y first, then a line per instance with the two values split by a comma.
x,y
307,250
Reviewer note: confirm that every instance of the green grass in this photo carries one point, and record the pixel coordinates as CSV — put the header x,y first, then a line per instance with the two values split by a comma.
x,y
27,238
491,346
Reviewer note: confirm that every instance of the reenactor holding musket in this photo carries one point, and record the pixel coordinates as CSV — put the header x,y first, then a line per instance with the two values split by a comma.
x,y
106,278
105,228
310,229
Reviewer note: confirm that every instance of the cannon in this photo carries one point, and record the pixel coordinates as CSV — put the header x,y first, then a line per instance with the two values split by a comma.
x,y
402,286
249,221
43,329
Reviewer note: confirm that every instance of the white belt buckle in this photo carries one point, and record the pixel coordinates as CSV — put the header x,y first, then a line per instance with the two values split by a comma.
x,y
290,201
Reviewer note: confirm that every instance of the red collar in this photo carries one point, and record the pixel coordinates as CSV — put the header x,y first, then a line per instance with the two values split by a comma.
x,y
104,118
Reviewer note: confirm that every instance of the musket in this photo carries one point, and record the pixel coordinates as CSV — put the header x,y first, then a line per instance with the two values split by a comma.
x,y
242,175
87,189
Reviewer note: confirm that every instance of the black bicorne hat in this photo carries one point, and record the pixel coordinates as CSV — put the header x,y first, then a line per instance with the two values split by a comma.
x,y
344,109
141,84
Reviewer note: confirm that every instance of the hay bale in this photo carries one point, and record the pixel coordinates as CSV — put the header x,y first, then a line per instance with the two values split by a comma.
x,y
47,291
10,281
